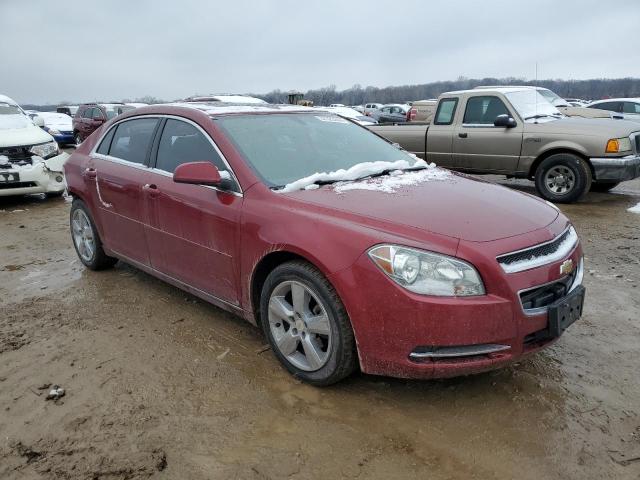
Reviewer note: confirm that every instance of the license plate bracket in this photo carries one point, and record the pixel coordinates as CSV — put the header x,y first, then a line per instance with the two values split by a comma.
x,y
566,311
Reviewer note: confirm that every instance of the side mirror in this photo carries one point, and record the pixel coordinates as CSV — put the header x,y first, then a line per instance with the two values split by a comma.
x,y
38,121
198,173
505,121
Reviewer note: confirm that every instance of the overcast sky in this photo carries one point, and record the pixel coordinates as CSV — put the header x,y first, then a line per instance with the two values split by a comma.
x,y
83,50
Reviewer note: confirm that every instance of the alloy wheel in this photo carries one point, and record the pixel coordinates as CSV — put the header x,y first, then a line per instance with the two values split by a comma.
x,y
83,236
300,325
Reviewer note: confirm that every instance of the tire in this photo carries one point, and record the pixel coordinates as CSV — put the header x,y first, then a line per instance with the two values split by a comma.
x,y
603,186
78,140
79,221
320,324
563,178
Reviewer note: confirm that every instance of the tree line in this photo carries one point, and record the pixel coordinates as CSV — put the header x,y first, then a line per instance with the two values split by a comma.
x,y
593,89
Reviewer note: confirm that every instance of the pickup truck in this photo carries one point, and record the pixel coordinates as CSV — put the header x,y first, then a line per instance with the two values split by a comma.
x,y
516,132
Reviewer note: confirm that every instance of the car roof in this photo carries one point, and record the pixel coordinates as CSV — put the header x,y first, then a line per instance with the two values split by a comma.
x,y
10,101
621,99
493,89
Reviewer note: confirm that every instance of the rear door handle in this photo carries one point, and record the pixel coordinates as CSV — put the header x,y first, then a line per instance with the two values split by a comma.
x,y
90,172
462,135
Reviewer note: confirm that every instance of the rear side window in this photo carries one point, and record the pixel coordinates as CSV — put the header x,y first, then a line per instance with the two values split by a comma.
x,y
97,114
87,113
611,106
446,111
103,148
132,139
630,107
181,143
484,110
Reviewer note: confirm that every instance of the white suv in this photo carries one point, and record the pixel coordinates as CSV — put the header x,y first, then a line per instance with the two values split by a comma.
x,y
30,160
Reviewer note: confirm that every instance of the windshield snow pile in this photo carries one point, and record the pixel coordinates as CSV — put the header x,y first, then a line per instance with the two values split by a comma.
x,y
396,180
356,172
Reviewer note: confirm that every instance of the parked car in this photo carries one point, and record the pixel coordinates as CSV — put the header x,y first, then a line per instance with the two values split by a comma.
x,y
369,108
359,108
392,113
67,109
627,107
516,132
30,160
422,110
91,115
337,105
350,113
59,126
225,98
287,217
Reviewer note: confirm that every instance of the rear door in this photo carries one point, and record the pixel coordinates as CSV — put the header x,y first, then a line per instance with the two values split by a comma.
x,y
478,145
120,171
439,144
193,230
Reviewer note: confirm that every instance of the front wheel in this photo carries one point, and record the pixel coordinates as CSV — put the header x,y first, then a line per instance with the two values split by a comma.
x,y
307,325
563,178
77,139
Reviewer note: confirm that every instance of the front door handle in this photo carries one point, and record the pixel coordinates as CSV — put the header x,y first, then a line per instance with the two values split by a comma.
x,y
462,135
151,189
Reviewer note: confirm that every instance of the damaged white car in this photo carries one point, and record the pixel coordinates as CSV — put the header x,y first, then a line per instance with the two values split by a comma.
x,y
30,159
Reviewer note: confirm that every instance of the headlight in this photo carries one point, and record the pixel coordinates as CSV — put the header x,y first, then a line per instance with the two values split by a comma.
x,y
616,145
427,273
45,150
53,131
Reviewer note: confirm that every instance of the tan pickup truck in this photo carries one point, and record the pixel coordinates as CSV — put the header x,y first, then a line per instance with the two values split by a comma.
x,y
517,133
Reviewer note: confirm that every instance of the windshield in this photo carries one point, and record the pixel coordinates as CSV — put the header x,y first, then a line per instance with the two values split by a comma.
x,y
530,104
6,109
283,148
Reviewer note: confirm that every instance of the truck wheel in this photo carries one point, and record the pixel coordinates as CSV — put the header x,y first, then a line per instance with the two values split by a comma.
x,y
603,186
307,325
563,178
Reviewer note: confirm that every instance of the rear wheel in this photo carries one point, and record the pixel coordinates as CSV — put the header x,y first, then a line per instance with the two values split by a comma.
x,y
77,139
86,239
603,186
563,178
307,325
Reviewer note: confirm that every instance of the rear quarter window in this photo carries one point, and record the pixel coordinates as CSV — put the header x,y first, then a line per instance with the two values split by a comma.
x,y
103,148
446,111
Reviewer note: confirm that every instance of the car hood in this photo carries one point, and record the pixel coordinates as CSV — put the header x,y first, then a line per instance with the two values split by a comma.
x,y
604,127
456,206
19,130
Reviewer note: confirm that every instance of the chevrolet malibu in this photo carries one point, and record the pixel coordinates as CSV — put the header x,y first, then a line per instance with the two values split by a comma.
x,y
347,251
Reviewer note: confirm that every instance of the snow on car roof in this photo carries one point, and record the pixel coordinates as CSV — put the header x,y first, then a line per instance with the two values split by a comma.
x,y
491,89
216,108
10,101
226,98
621,99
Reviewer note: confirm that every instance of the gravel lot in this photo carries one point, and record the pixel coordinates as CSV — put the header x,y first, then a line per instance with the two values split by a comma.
x,y
162,385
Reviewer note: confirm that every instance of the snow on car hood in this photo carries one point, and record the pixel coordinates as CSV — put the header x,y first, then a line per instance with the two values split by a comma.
x,y
18,130
442,202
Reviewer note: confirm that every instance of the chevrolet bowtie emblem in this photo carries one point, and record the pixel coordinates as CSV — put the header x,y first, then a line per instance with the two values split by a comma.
x,y
566,267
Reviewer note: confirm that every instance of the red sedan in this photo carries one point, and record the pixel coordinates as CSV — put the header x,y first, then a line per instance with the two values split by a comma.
x,y
347,251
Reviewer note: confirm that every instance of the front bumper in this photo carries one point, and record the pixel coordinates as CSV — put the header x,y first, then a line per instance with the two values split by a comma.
x,y
401,334
45,176
616,169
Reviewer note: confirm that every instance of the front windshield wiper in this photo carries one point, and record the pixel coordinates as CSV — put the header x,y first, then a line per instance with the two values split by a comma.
x,y
542,115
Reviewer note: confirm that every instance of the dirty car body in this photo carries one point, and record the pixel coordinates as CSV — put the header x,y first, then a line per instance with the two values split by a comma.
x,y
30,160
432,273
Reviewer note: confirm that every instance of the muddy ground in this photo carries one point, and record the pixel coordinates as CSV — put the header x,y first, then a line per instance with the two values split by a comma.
x,y
162,385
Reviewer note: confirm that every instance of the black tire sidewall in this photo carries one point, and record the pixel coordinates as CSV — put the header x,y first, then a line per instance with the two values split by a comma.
x,y
332,371
580,170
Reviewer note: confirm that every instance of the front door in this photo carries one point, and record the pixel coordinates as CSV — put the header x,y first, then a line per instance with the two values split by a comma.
x,y
193,230
479,145
439,142
120,172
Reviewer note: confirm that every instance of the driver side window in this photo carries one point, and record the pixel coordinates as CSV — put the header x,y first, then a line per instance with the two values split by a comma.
x,y
483,110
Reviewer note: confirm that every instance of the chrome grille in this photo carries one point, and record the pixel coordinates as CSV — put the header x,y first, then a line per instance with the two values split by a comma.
x,y
541,254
